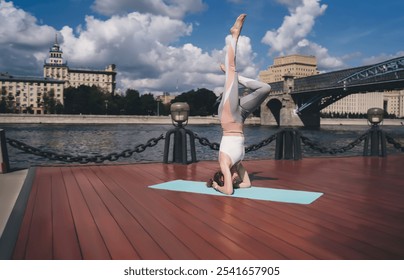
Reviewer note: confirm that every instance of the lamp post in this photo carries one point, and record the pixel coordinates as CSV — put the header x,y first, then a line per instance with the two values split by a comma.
x,y
179,118
375,116
376,136
179,113
4,161
106,107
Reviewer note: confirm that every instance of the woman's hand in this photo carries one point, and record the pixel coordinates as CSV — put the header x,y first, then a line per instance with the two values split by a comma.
x,y
215,186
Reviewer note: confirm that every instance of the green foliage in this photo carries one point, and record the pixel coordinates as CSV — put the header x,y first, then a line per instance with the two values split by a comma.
x,y
85,100
132,102
7,104
148,104
91,100
345,115
49,102
200,102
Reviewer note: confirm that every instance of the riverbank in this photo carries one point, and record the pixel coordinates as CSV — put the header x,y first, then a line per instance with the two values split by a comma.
x,y
106,119
114,119
358,122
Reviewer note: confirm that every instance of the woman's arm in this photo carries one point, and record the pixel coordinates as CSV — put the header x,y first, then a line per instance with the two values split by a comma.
x,y
225,163
243,174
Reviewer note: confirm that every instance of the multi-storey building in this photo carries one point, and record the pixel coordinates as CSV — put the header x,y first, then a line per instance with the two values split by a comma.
x,y
394,102
27,94
55,67
391,101
293,65
299,66
356,103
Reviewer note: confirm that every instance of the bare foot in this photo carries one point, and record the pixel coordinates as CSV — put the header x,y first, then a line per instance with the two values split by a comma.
x,y
238,25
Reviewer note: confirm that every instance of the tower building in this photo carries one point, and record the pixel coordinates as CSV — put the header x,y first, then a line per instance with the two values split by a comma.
x,y
55,67
295,65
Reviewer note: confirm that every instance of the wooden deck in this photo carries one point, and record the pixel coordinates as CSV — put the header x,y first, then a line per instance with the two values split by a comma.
x,y
108,212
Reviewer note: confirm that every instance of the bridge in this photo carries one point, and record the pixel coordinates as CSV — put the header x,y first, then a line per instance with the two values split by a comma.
x,y
298,102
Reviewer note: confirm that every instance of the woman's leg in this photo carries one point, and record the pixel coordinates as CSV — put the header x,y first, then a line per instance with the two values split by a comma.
x,y
228,108
251,102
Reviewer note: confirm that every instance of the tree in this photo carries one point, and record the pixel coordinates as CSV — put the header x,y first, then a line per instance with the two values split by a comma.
x,y
3,101
200,101
85,100
132,102
115,104
49,102
148,104
10,103
91,100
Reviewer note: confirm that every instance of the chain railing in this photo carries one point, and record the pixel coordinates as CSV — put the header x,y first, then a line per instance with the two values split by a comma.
x,y
215,146
83,159
306,141
324,150
396,145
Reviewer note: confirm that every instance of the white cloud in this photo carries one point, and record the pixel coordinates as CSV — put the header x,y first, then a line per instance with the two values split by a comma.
x,y
171,8
295,27
21,28
291,4
142,47
381,57
123,37
188,67
22,40
145,47
324,60
291,36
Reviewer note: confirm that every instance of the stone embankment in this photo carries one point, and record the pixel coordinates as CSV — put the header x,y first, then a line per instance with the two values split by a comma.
x,y
105,119
359,122
109,119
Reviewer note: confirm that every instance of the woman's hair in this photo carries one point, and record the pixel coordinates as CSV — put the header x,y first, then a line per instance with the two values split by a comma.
x,y
218,178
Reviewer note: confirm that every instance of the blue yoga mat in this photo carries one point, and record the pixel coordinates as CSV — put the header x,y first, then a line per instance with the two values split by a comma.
x,y
268,194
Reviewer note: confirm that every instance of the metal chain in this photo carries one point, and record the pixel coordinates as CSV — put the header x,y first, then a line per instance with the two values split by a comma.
x,y
205,142
215,146
313,145
202,140
84,159
261,144
396,145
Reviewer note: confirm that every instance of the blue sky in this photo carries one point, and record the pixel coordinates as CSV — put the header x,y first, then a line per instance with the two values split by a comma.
x,y
177,45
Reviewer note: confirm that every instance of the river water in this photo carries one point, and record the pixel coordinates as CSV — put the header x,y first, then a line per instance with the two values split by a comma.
x,y
105,139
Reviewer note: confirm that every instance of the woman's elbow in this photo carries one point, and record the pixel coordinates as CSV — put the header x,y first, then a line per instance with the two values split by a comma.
x,y
228,191
245,184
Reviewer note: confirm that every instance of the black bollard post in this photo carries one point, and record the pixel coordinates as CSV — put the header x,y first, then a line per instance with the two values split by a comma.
x,y
288,144
377,139
4,162
180,146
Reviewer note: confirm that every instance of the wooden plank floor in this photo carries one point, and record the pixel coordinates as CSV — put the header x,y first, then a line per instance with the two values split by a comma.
x,y
107,212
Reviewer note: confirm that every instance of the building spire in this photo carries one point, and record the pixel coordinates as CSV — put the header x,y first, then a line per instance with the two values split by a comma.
x,y
55,54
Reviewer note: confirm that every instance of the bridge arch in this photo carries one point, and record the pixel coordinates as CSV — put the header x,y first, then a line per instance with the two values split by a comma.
x,y
271,111
301,103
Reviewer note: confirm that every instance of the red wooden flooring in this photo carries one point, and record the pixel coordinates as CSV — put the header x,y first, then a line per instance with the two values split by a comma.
x,y
108,212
